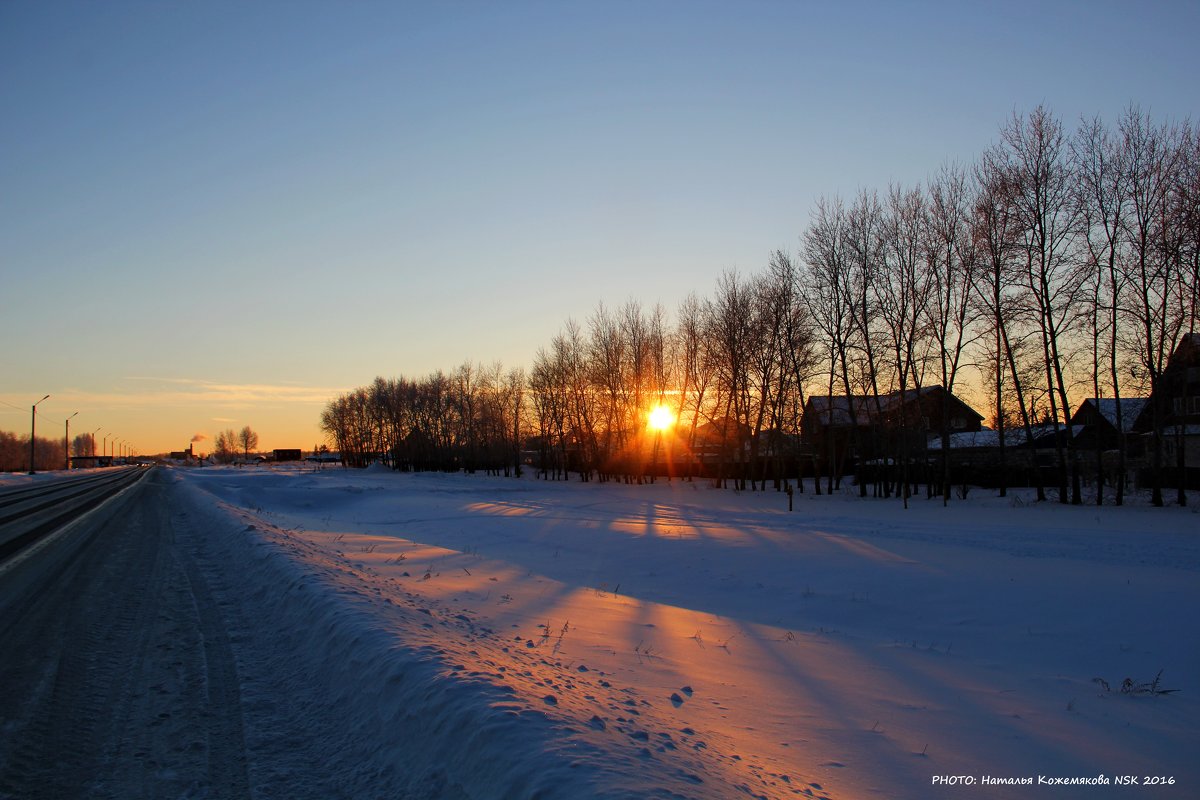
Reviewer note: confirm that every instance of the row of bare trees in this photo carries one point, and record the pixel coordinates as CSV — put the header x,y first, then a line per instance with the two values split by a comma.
x,y
1060,265
1090,265
48,452
731,369
470,419
229,444
14,452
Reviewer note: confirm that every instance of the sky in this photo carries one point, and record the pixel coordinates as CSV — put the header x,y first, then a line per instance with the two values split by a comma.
x,y
223,214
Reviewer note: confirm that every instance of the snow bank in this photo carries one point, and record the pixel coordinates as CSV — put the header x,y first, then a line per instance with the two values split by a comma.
x,y
428,719
486,637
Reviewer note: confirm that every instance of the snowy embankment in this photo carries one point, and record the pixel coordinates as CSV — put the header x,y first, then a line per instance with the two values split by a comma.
x,y
484,637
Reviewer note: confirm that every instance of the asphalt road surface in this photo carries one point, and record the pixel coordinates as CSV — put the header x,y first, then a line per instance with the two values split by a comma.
x,y
117,678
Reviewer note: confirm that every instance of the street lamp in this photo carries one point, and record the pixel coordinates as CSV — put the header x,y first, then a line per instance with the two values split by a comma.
x,y
33,436
92,441
67,439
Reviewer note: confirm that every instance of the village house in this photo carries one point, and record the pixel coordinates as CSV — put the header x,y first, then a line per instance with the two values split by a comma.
x,y
842,431
1173,414
1095,423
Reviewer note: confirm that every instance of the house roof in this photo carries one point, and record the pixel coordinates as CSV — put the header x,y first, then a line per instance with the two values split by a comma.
x,y
721,428
1130,408
835,410
989,437
1186,353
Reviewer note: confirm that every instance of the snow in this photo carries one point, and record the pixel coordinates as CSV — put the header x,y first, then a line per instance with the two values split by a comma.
x,y
513,638
990,437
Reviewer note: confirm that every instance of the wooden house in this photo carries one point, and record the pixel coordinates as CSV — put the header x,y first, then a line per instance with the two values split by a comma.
x,y
1172,413
849,429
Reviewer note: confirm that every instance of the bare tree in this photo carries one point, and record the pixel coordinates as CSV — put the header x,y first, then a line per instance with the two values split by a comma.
x,y
1043,197
826,295
951,266
781,329
865,247
608,365
548,390
1103,197
1186,199
516,383
248,440
571,354
225,446
696,370
1156,311
900,290
731,329
797,350
768,380
995,231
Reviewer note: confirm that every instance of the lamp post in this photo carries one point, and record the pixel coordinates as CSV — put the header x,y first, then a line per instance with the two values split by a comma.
x,y
67,439
92,441
33,436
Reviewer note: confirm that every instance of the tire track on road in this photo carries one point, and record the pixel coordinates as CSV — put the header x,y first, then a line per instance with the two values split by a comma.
x,y
117,677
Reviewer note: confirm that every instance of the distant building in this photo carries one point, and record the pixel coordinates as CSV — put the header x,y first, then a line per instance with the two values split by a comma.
x,y
288,455
183,455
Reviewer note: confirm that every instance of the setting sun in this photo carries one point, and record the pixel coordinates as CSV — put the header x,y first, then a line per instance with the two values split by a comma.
x,y
661,418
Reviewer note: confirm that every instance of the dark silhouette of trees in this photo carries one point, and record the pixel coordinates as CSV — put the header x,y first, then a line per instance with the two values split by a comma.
x,y
225,446
471,419
14,452
248,440
1058,263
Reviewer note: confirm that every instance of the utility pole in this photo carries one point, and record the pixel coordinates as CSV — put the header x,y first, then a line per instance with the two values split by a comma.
x,y
67,440
33,437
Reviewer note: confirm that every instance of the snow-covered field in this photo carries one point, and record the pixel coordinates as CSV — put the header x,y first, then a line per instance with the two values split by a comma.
x,y
521,638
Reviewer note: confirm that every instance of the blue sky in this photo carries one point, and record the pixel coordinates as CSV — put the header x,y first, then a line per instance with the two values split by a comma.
x,y
219,214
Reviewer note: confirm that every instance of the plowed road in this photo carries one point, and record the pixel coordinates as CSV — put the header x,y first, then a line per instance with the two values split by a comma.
x,y
116,674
